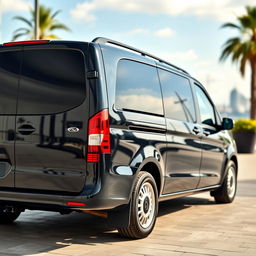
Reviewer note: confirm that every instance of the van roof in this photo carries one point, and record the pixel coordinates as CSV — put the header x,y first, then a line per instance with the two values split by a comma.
x,y
103,40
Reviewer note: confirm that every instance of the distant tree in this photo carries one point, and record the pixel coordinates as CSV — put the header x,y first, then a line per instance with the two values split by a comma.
x,y
242,49
47,25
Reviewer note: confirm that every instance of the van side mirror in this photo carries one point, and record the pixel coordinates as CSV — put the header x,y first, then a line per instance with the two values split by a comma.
x,y
227,124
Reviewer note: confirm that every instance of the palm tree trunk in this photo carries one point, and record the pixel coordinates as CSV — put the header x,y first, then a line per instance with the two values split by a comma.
x,y
253,89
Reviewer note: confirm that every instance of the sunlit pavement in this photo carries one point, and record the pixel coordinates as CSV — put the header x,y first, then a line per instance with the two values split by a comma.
x,y
189,226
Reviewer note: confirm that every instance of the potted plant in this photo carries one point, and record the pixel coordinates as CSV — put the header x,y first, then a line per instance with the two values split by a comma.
x,y
244,133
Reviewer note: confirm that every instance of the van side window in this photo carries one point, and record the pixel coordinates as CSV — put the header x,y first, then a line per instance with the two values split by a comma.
x,y
52,81
206,109
138,88
9,75
177,95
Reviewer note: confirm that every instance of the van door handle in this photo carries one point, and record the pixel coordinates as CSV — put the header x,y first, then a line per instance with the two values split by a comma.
x,y
196,130
26,129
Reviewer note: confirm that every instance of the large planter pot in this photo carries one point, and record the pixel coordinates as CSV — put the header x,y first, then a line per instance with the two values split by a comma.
x,y
245,141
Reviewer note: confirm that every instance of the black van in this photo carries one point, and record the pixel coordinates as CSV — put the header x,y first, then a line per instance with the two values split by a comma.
x,y
105,128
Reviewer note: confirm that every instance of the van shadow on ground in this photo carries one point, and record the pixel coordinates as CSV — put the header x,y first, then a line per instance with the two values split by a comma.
x,y
36,231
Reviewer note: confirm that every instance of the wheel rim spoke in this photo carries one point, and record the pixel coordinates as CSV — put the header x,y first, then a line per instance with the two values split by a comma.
x,y
146,205
231,182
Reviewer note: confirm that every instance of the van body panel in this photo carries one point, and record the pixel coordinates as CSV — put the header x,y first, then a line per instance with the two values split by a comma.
x,y
184,152
213,159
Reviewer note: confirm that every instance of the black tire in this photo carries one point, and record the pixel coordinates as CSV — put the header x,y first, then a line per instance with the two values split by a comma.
x,y
136,230
227,192
7,216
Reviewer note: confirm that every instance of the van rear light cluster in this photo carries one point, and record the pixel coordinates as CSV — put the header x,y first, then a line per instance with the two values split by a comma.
x,y
27,42
98,136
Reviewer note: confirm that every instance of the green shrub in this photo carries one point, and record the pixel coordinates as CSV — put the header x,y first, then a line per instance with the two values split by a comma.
x,y
245,125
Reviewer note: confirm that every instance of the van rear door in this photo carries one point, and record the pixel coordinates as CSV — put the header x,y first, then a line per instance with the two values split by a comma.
x,y
9,74
51,123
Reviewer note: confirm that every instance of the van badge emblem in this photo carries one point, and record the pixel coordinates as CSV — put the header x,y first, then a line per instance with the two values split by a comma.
x,y
73,129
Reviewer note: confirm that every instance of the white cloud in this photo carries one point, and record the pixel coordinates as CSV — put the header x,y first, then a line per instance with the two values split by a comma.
x,y
217,9
83,11
138,31
14,5
164,32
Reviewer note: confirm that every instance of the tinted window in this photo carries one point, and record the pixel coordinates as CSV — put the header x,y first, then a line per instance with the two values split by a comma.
x,y
9,72
52,81
205,107
138,87
177,95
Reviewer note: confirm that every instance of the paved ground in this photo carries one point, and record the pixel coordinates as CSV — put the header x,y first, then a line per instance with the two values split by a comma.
x,y
191,226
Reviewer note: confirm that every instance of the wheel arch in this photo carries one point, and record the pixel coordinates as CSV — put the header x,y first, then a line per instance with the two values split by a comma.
x,y
234,159
151,166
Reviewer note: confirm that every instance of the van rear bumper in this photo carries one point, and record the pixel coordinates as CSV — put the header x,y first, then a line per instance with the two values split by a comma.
x,y
111,191
50,202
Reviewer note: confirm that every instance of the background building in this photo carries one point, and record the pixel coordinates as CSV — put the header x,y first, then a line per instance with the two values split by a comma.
x,y
238,106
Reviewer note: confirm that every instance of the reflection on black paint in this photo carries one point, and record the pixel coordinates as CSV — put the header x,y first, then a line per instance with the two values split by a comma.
x,y
138,88
59,143
52,81
51,158
177,96
182,102
5,163
9,71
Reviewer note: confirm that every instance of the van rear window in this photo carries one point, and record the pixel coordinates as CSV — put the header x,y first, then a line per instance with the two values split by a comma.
x,y
51,81
9,75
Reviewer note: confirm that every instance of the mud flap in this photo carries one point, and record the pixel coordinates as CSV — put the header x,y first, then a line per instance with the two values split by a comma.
x,y
119,217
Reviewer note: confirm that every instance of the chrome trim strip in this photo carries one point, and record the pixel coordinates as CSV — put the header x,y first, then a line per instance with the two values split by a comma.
x,y
186,192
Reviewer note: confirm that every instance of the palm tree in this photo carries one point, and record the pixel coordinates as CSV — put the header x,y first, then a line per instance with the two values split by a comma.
x,y
242,49
47,25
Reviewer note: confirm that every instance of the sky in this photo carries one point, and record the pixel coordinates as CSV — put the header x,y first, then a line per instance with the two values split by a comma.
x,y
186,33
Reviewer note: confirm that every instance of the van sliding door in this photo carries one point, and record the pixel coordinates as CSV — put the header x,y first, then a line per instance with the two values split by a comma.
x,y
183,136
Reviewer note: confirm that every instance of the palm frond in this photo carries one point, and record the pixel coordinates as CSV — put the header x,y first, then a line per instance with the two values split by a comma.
x,y
245,22
243,65
231,25
21,29
59,26
251,11
47,23
238,52
18,35
20,18
230,47
52,36
55,14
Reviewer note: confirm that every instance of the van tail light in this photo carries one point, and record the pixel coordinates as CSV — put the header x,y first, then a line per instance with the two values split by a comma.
x,y
98,136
